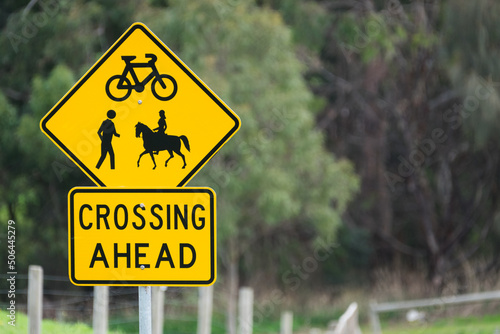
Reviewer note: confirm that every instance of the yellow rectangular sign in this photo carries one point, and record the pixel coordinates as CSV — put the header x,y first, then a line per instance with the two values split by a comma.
x,y
141,237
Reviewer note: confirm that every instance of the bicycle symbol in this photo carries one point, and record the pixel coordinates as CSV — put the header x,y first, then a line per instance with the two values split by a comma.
x,y
121,84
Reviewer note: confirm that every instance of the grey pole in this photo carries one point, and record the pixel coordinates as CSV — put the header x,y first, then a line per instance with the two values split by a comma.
x,y
100,313
144,310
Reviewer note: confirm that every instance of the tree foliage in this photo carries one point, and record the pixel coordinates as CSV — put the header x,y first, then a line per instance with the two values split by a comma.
x,y
410,100
406,90
275,181
274,178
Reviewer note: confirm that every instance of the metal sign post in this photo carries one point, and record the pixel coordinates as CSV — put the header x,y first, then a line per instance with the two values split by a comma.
x,y
145,310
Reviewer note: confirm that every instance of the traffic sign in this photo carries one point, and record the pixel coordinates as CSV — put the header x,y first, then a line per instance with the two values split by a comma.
x,y
140,117
142,237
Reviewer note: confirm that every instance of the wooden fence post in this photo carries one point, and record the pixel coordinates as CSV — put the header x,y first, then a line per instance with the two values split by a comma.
x,y
100,312
157,306
205,305
348,322
286,324
245,315
374,319
35,299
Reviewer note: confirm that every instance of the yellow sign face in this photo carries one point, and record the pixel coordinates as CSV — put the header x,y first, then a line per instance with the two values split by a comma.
x,y
140,117
142,237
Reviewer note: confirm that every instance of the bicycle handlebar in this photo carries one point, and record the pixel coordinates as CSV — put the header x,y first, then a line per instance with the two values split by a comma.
x,y
152,56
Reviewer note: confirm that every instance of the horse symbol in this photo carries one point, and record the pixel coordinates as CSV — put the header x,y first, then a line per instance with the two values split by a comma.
x,y
154,142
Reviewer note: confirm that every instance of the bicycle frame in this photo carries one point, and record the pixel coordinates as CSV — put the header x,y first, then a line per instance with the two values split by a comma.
x,y
122,83
139,85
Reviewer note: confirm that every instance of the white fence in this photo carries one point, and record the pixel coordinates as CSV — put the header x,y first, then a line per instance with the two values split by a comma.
x,y
375,308
347,324
35,299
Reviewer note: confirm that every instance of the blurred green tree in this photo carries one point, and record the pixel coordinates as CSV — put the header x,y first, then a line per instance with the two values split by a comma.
x,y
410,101
275,182
279,191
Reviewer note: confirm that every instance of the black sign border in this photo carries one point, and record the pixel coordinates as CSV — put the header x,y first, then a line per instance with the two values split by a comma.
x,y
183,67
71,257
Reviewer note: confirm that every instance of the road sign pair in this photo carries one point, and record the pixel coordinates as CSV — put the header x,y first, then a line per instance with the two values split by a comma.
x,y
139,99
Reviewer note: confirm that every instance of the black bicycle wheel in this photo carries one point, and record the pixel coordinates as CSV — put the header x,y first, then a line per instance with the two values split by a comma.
x,y
170,90
113,83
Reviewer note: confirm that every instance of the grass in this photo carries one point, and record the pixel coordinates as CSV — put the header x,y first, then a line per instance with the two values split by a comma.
x,y
187,324
470,325
48,326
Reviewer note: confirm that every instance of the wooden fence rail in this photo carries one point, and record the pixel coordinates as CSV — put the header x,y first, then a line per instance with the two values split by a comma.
x,y
375,308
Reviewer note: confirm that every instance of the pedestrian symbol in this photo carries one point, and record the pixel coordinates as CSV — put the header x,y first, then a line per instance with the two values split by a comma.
x,y
106,133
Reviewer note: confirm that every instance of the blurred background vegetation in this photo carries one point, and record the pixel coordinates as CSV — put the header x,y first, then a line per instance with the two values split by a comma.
x,y
368,126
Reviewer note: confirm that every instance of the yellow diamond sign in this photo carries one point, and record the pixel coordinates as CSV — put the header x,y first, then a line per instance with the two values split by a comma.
x,y
140,117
